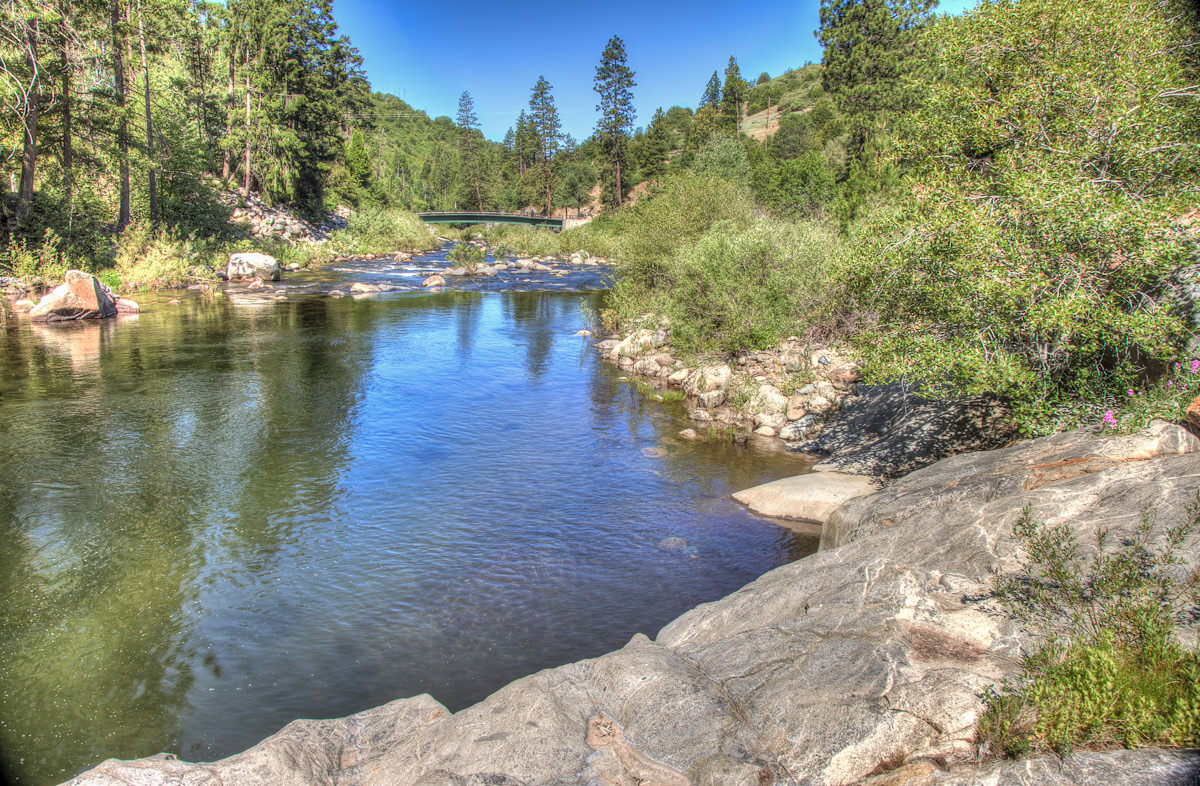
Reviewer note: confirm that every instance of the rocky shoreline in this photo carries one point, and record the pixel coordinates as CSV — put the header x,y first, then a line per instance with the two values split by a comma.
x,y
864,663
810,396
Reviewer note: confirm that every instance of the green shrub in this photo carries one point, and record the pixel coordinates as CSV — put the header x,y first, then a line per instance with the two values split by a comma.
x,y
747,287
467,255
378,230
1035,234
45,259
1111,672
161,258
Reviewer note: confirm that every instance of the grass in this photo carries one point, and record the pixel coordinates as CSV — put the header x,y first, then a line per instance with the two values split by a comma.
x,y
1111,672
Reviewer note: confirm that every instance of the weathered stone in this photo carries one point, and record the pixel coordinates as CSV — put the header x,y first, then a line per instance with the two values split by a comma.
x,y
635,344
769,400
796,407
803,428
125,306
678,377
1112,768
80,296
889,431
713,377
250,264
434,281
23,305
1066,466
689,434
1193,412
765,431
701,416
810,497
712,399
774,421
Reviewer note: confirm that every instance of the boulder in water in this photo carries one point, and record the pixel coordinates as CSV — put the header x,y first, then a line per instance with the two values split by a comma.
x,y
248,264
80,296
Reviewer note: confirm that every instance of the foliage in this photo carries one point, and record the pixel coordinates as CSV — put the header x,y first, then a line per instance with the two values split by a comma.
x,y
1025,253
869,50
747,287
1166,398
157,258
467,255
43,260
1111,672
380,230
712,93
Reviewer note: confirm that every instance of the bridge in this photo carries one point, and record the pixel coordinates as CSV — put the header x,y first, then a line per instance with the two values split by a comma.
x,y
463,217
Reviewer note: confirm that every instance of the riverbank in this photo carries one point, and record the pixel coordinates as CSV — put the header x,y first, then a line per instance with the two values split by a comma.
x,y
864,663
809,396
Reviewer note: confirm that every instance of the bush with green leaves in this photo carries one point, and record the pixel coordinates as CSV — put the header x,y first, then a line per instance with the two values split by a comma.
x,y
467,255
378,230
161,258
748,287
1111,672
1027,257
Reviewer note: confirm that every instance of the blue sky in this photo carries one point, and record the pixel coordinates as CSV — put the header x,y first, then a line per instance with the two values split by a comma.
x,y
428,53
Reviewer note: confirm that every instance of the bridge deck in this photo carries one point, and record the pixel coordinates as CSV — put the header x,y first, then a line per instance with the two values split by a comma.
x,y
465,217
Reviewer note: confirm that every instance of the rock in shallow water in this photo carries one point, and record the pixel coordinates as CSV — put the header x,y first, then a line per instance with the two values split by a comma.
x,y
80,296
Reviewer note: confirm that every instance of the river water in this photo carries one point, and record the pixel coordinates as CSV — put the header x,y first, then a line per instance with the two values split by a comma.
x,y
224,514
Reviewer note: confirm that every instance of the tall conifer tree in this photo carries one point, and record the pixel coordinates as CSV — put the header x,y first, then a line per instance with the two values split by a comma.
x,y
613,82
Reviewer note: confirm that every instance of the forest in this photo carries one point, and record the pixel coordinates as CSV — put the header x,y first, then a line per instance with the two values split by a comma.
x,y
1001,202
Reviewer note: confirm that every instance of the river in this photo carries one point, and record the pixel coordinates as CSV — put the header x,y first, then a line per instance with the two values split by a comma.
x,y
227,513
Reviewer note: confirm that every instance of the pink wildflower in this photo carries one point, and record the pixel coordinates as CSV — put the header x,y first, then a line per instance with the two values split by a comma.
x,y
1110,419
1195,366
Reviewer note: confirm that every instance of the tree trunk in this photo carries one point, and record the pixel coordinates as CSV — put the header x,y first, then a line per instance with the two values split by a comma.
x,y
68,153
228,118
149,121
29,149
620,191
246,163
122,130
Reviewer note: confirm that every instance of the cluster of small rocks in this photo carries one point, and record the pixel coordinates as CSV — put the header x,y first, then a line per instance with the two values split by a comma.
x,y
263,220
784,392
544,264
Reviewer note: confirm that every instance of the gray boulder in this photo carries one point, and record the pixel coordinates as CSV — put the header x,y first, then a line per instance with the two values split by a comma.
x,y
248,264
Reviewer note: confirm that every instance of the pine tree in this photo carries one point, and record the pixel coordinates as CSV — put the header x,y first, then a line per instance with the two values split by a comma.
x,y
468,124
869,48
712,92
543,118
613,82
733,92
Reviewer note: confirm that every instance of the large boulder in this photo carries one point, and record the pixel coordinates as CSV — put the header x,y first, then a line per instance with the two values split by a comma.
x,y
863,663
250,264
810,497
80,296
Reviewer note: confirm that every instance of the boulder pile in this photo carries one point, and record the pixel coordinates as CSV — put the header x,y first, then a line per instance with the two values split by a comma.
x,y
263,220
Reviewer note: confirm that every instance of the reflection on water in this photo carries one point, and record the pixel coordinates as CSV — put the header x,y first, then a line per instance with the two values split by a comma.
x,y
216,519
